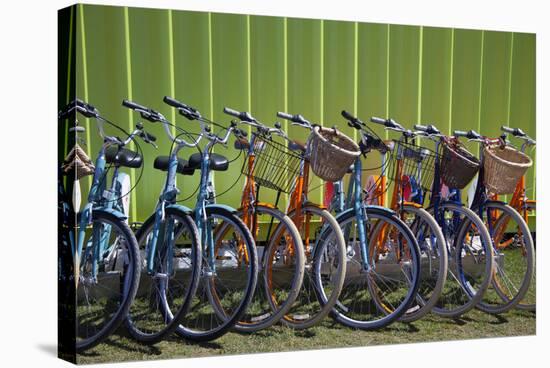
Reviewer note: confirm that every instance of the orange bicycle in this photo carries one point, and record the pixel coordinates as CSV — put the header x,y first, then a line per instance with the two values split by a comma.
x,y
526,207
269,164
323,242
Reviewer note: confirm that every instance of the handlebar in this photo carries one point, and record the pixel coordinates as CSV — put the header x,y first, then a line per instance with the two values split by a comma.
x,y
429,129
470,134
184,110
154,116
243,116
388,123
353,121
145,112
516,132
296,119
80,106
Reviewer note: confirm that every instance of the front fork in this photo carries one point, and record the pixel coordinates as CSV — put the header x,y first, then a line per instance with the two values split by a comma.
x,y
361,216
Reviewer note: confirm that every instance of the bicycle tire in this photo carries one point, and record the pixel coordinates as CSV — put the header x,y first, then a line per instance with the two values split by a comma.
x,y
131,280
427,295
342,313
530,206
528,253
170,318
208,291
312,286
469,299
265,319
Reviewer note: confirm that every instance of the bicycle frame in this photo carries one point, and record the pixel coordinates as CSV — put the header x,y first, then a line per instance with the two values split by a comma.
x,y
161,227
98,198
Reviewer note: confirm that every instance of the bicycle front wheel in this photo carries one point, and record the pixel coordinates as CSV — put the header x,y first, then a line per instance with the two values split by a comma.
x,y
514,257
375,296
228,277
165,293
107,279
470,259
325,268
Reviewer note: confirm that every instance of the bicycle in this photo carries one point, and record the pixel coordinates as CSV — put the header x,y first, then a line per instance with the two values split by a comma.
x,y
229,267
527,207
322,241
382,274
513,265
171,246
412,165
470,254
269,164
104,249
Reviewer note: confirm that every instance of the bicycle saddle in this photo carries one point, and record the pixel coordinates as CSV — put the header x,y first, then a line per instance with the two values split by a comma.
x,y
217,161
162,163
123,157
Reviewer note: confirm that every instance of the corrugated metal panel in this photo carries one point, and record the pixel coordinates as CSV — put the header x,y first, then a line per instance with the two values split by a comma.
x,y
458,79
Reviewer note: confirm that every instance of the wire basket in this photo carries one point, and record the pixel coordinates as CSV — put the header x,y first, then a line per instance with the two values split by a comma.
x,y
458,165
331,153
275,166
418,165
503,167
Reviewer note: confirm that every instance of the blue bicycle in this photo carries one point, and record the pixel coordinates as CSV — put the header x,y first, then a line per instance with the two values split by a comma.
x,y
229,262
170,245
104,250
383,258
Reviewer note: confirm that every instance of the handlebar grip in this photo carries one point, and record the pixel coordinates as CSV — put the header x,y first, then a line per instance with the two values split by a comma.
x,y
284,115
348,116
460,133
420,127
376,120
174,103
132,105
507,129
232,112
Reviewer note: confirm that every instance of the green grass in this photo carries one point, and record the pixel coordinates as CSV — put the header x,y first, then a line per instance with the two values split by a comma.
x,y
474,324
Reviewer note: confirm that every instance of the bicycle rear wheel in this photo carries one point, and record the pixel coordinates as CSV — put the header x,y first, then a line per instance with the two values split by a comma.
x,y
165,294
227,280
433,258
514,257
282,269
529,302
375,298
107,279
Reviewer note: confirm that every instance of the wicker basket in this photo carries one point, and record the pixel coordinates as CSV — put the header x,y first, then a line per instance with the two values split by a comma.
x,y
77,163
503,167
331,153
458,165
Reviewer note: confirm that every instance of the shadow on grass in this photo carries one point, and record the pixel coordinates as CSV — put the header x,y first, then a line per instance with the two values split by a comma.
x,y
309,333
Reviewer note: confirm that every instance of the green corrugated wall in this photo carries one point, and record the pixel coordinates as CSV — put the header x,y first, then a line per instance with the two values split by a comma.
x,y
455,78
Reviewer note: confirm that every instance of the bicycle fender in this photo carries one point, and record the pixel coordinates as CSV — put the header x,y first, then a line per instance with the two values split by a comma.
x,y
111,211
380,208
223,206
474,208
181,208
